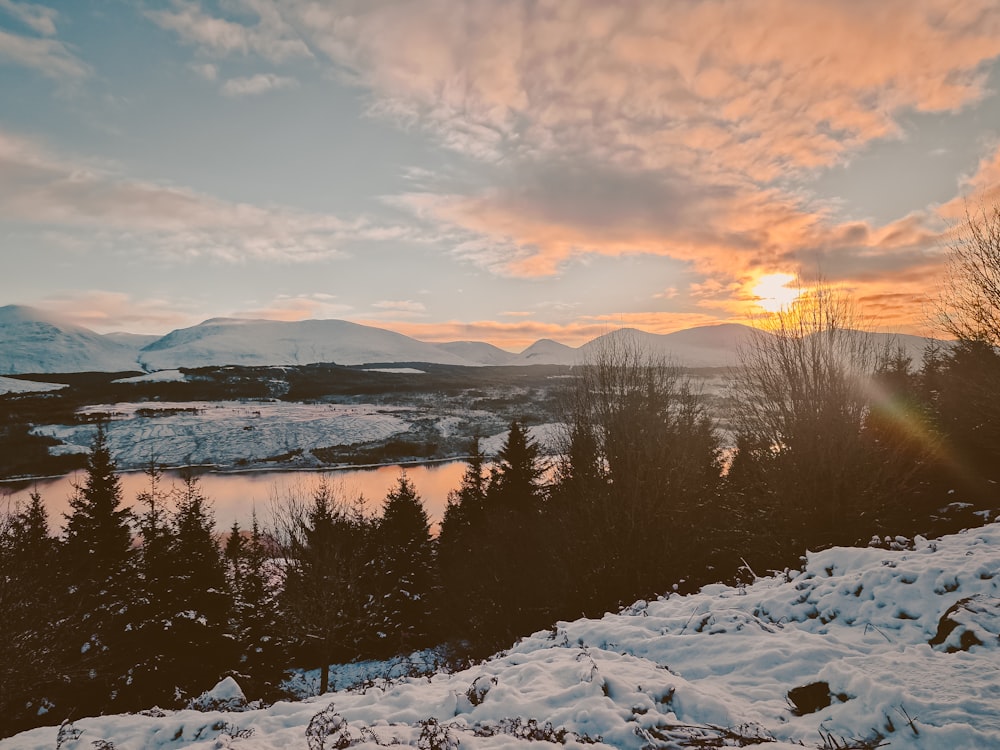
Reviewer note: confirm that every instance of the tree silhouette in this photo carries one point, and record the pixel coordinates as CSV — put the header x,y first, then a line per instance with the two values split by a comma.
x,y
404,568
98,563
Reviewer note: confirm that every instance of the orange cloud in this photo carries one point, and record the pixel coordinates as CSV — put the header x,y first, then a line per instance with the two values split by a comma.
x,y
516,337
726,87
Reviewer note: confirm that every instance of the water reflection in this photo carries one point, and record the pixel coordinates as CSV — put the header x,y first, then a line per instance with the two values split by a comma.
x,y
235,495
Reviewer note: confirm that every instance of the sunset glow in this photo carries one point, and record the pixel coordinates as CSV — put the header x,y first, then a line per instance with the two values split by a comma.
x,y
435,166
773,292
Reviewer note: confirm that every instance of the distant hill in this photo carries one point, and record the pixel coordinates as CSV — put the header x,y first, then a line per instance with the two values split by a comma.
x,y
32,341
549,352
479,352
233,341
704,346
35,341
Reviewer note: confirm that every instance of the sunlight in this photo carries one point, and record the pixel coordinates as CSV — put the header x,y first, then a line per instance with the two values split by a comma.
x,y
773,293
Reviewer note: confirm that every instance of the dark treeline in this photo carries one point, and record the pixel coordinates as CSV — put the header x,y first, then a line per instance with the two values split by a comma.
x,y
837,441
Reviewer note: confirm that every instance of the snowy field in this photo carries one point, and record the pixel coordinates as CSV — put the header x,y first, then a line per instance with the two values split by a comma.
x,y
227,432
232,433
900,648
16,385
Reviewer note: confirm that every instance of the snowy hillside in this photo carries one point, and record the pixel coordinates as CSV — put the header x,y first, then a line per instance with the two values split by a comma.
x,y
230,341
33,341
874,647
704,346
479,352
549,352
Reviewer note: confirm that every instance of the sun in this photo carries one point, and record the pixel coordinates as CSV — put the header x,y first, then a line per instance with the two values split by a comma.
x,y
773,293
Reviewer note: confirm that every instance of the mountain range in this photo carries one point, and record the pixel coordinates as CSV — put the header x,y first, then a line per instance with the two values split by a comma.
x,y
32,341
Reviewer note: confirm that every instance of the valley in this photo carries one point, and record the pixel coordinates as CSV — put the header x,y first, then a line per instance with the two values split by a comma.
x,y
314,417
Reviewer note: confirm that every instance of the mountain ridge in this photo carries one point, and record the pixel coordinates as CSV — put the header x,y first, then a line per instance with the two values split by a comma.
x,y
34,341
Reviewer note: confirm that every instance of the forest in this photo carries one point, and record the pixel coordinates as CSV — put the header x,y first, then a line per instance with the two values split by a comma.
x,y
836,440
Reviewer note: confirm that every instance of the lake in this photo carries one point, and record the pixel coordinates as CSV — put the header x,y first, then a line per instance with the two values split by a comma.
x,y
234,495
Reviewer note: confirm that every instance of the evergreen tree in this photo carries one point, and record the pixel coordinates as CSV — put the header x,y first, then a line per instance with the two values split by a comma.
x,y
31,626
150,680
457,559
255,619
511,594
200,647
327,596
516,483
404,571
100,583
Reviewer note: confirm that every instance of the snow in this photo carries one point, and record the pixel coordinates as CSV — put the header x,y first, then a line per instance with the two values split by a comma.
x,y
715,665
15,385
397,370
226,433
548,436
33,341
228,341
226,695
160,376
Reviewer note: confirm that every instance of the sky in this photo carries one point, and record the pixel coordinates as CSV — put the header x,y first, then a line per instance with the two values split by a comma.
x,y
498,170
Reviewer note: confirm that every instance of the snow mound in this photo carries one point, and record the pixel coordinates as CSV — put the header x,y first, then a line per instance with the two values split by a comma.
x,y
227,695
712,669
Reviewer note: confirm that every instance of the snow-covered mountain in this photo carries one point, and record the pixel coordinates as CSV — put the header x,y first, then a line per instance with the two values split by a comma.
x,y
864,648
34,341
234,341
549,352
703,346
479,352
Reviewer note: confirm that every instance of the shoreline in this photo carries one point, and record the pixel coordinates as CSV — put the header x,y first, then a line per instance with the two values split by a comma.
x,y
230,470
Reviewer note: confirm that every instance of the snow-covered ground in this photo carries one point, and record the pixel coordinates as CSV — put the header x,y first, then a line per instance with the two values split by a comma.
x,y
159,376
227,432
16,385
239,433
711,669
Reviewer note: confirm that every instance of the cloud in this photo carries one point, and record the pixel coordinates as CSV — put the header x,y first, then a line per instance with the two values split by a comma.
x,y
257,84
50,57
403,307
289,307
516,336
752,89
39,18
105,311
39,188
208,71
270,37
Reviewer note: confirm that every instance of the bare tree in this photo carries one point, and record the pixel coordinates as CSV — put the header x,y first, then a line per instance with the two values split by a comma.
x,y
803,399
968,306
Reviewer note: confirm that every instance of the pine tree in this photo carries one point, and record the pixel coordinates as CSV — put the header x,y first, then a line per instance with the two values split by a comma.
x,y
201,649
255,619
150,680
100,583
404,571
457,559
31,627
512,591
516,484
327,596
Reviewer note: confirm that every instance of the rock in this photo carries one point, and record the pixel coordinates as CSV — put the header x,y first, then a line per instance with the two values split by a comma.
x,y
809,698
